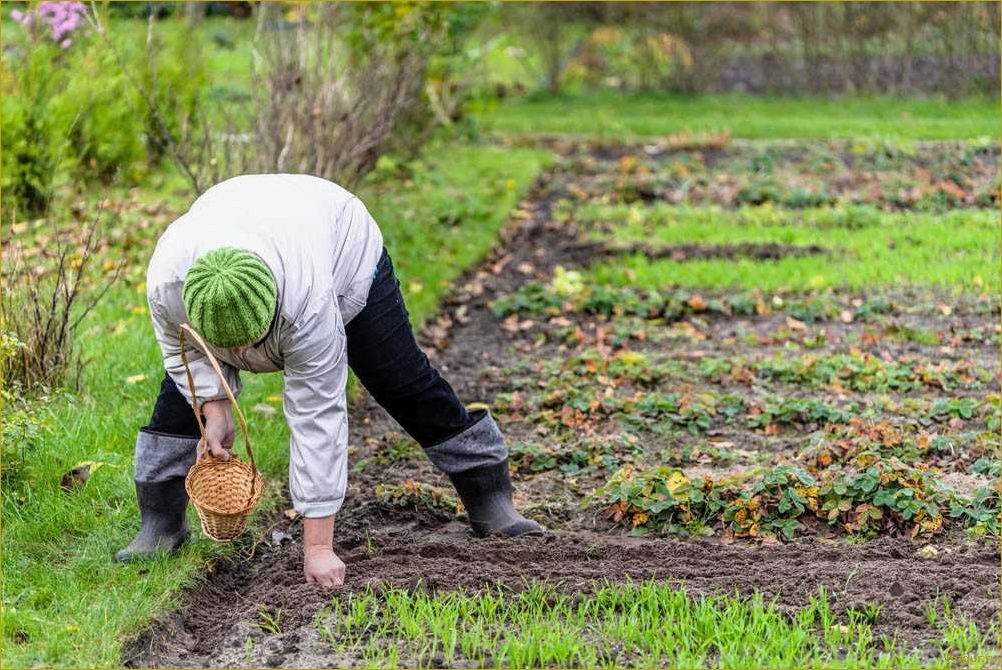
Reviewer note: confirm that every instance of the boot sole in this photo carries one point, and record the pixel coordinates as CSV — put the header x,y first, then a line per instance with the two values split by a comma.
x,y
127,556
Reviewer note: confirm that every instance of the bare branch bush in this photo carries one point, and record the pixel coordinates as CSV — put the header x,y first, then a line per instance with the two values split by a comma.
x,y
330,89
49,288
327,93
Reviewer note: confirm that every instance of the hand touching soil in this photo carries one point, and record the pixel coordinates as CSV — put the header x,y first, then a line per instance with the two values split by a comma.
x,y
219,429
322,566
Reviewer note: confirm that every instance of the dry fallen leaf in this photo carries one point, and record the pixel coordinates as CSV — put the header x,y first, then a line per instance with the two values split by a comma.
x,y
134,379
501,263
795,324
75,478
697,303
79,474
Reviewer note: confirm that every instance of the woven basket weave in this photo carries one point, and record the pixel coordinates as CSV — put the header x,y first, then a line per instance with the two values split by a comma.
x,y
224,492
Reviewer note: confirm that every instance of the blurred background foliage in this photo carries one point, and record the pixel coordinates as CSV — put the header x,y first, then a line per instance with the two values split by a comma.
x,y
103,106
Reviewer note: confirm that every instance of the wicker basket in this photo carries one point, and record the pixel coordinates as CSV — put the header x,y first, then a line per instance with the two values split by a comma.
x,y
224,492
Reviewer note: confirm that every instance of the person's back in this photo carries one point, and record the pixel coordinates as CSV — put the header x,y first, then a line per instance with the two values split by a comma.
x,y
312,234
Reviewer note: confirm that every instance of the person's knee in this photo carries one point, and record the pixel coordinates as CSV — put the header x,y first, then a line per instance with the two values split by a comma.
x,y
172,415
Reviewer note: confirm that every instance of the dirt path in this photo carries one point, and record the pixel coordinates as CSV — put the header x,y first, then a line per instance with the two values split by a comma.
x,y
482,355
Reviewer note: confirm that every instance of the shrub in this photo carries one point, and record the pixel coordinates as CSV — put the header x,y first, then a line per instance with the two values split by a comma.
x,y
44,302
106,142
331,88
172,79
66,112
23,424
34,136
165,83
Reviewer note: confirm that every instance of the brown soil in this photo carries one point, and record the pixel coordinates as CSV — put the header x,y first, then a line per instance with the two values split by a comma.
x,y
413,549
212,630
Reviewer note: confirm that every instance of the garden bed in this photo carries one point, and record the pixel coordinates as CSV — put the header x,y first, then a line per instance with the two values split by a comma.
x,y
792,441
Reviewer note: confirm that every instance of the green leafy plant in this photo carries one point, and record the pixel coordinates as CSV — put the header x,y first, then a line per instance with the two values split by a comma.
x,y
773,504
24,423
981,512
661,499
419,496
885,495
270,621
35,136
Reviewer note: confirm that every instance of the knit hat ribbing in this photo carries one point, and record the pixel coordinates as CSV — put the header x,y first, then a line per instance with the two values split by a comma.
x,y
230,297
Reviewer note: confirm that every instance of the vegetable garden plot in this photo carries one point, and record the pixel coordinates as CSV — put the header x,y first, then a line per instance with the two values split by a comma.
x,y
810,443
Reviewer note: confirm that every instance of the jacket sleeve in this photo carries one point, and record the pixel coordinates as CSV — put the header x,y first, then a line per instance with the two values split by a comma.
x,y
207,384
316,372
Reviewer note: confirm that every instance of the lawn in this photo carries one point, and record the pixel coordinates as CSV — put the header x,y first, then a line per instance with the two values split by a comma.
x,y
614,117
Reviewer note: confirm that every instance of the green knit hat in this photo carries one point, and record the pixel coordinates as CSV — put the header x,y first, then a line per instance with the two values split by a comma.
x,y
230,297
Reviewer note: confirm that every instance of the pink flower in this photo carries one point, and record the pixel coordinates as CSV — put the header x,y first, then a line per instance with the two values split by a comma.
x,y
62,18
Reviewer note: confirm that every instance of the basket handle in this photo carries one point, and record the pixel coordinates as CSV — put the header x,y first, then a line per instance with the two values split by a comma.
x,y
195,405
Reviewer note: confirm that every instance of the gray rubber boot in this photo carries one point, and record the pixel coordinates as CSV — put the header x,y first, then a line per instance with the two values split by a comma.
x,y
486,495
164,525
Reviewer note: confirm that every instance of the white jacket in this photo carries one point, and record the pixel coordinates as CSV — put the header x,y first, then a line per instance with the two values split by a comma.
x,y
322,247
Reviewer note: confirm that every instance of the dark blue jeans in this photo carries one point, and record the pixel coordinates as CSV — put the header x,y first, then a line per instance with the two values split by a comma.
x,y
384,355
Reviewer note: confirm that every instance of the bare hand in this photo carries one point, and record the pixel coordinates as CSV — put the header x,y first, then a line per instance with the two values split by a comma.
x,y
322,566
219,429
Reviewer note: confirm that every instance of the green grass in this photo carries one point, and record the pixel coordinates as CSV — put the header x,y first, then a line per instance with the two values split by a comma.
x,y
865,247
610,116
65,602
640,625
448,214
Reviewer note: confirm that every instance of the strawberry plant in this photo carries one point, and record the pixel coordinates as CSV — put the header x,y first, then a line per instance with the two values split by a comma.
x,y
538,299
885,495
858,371
981,512
419,496
796,410
693,412
532,298
773,504
945,409
578,457
988,467
663,500
859,442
